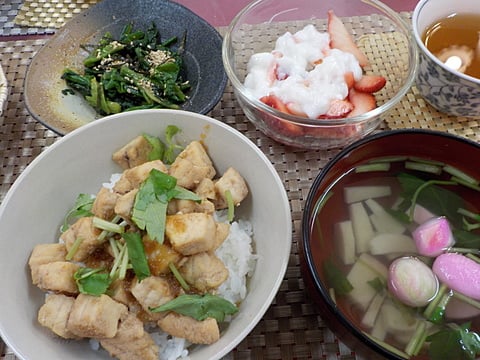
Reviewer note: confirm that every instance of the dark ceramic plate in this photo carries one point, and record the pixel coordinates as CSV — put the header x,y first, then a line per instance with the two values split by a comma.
x,y
64,113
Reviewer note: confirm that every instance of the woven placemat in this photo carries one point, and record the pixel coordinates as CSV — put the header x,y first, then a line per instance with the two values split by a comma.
x,y
50,13
292,327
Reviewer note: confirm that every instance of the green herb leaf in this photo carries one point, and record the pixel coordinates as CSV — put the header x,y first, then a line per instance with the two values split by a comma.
x,y
199,307
82,207
336,278
170,155
150,206
435,198
158,147
455,343
136,255
377,284
92,281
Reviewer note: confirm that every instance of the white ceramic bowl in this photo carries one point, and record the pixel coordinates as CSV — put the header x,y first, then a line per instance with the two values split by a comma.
x,y
34,207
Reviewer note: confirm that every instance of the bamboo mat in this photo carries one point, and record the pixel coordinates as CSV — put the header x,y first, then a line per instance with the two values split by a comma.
x,y
292,328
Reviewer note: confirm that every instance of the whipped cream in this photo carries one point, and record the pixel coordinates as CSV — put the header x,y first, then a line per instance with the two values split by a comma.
x,y
303,71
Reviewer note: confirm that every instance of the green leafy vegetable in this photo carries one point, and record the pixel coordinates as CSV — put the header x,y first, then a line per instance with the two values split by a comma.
x,y
170,154
336,278
92,281
433,197
135,71
82,207
158,147
377,284
454,343
150,206
199,307
136,255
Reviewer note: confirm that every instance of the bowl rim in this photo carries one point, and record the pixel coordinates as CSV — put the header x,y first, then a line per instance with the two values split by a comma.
x,y
417,35
277,277
309,208
379,110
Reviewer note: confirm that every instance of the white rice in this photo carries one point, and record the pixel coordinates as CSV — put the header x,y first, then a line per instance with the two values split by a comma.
x,y
236,252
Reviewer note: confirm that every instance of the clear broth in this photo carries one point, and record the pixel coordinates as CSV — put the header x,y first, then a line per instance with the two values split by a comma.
x,y
459,30
335,210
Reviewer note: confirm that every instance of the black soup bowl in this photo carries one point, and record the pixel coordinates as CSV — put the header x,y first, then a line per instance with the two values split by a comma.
x,y
328,252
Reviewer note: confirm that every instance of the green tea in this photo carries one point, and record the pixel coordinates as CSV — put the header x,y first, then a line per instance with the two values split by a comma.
x,y
455,40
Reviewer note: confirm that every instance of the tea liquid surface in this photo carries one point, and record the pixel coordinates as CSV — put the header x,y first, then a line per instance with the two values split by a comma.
x,y
460,32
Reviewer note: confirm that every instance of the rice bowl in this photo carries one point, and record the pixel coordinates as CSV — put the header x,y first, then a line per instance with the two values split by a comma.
x,y
87,151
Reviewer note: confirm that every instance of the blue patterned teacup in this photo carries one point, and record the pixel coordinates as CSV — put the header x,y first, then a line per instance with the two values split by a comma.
x,y
447,90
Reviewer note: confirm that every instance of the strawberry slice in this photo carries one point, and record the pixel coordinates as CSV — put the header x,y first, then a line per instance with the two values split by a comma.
x,y
341,39
362,102
274,102
282,127
338,109
370,83
349,79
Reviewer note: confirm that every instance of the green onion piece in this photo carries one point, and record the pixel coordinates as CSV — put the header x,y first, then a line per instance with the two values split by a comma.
x,y
73,250
114,247
466,299
474,258
107,225
415,343
426,161
469,214
463,250
122,271
178,276
118,261
381,166
389,159
230,205
460,174
465,183
427,168
436,300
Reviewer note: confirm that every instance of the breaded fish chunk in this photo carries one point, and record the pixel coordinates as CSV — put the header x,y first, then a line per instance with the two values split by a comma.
x,y
95,316
131,342
132,178
151,292
196,332
191,233
232,181
44,254
192,165
133,153
83,228
204,271
54,314
57,276
104,204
